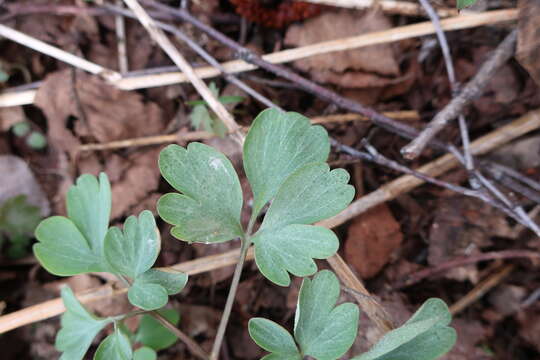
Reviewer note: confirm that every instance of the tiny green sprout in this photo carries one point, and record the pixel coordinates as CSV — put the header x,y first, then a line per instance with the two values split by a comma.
x,y
203,118
21,129
18,220
36,140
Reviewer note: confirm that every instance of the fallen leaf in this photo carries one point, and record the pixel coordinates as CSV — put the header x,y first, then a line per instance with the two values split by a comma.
x,y
528,44
101,110
379,59
461,227
10,116
371,240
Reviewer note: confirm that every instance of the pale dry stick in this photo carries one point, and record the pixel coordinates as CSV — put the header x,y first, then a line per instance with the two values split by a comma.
x,y
120,25
527,123
57,53
388,6
51,308
204,54
473,89
482,288
403,184
236,66
179,60
203,135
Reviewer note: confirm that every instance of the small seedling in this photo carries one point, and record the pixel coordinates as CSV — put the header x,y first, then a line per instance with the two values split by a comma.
x,y
33,139
285,164
204,119
18,220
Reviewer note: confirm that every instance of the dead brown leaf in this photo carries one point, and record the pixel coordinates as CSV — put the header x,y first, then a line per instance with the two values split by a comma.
x,y
133,186
10,116
102,111
528,45
379,59
461,227
371,240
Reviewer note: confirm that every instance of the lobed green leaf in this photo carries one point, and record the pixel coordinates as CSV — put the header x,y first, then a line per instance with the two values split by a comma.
x,y
151,290
115,347
276,145
425,336
322,330
208,211
273,338
135,250
74,245
79,327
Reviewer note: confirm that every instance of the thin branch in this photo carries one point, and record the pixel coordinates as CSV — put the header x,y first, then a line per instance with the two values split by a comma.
x,y
57,53
167,46
389,6
379,37
464,261
204,54
473,89
193,347
482,288
121,39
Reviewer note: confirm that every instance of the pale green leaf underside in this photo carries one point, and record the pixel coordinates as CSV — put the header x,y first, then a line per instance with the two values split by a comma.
x,y
273,338
147,296
134,250
209,209
151,290
115,347
425,336
74,245
310,194
278,144
154,335
323,331
79,327
292,249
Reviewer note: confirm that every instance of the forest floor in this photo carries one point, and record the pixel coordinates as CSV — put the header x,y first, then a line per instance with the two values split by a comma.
x,y
60,120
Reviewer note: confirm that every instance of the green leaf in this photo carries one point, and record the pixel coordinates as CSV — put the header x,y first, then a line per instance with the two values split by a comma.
x,y
135,250
278,144
425,336
293,249
273,338
464,3
79,327
154,335
147,296
145,353
208,211
284,241
4,76
173,282
151,290
310,194
323,331
18,218
74,245
115,347
201,118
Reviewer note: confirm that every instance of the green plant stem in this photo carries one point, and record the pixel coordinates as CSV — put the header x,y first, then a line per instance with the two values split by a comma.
x,y
230,299
246,242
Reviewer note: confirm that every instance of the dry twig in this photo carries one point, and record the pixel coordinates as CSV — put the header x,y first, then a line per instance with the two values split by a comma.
x,y
473,89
